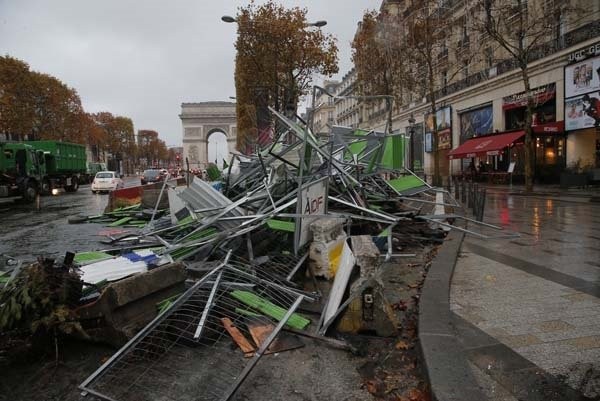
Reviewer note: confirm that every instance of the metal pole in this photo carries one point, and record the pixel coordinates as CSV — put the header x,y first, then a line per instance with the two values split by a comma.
x,y
159,197
262,350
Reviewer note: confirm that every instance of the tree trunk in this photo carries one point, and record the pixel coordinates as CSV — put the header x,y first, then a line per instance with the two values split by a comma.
x,y
434,143
529,151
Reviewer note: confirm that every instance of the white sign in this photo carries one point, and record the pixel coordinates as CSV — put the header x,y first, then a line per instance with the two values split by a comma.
x,y
313,200
583,77
511,167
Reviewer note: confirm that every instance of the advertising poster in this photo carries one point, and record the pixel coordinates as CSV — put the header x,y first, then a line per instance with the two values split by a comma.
x,y
444,139
583,77
475,123
428,142
444,128
582,112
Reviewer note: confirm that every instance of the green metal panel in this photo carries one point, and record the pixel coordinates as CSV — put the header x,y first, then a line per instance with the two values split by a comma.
x,y
65,157
393,153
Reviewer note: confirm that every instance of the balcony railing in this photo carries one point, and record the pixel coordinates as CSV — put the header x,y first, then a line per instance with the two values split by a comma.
x,y
570,39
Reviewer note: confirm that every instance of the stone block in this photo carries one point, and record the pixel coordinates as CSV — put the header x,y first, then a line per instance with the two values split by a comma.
x,y
366,254
326,230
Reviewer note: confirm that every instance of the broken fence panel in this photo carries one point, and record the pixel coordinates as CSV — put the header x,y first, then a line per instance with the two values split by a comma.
x,y
165,362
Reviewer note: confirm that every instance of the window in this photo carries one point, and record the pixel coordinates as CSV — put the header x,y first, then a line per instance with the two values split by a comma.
x,y
444,78
465,69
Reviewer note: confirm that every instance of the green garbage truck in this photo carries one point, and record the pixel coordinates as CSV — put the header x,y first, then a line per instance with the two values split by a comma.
x,y
29,168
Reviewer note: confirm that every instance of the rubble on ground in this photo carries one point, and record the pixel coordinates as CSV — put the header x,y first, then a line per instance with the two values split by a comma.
x,y
200,284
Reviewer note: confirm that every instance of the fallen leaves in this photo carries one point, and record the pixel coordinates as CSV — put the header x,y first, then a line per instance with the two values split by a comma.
x,y
376,387
402,345
414,394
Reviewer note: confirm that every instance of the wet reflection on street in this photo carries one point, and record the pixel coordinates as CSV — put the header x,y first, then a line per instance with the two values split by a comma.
x,y
561,235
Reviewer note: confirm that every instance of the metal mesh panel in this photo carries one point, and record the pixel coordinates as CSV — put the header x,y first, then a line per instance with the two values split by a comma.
x,y
186,353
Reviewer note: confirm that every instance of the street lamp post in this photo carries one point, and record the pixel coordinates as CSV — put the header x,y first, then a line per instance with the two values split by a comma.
x,y
411,131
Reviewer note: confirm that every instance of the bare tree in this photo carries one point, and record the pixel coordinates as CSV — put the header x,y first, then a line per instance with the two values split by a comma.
x,y
521,28
429,42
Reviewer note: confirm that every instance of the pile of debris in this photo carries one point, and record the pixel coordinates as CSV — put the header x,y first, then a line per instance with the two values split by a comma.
x,y
293,245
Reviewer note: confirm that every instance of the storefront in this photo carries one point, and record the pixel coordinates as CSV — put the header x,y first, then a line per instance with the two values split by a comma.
x,y
582,108
475,122
490,157
548,134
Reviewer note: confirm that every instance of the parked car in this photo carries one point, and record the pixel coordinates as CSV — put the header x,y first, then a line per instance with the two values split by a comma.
x,y
106,181
152,176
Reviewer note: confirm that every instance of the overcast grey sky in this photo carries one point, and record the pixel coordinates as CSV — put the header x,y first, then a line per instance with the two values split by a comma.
x,y
143,58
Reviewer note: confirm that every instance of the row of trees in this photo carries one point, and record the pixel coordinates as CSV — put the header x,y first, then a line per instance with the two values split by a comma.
x,y
406,54
36,106
152,150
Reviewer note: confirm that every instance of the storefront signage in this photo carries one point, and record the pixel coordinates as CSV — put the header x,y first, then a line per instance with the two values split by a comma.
x,y
583,77
540,95
549,128
475,123
582,112
443,120
584,53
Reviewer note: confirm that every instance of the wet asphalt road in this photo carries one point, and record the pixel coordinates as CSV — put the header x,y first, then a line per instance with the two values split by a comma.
x,y
26,233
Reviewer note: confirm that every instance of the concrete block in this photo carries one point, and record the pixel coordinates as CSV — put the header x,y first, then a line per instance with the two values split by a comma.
x,y
127,305
326,230
366,254
324,256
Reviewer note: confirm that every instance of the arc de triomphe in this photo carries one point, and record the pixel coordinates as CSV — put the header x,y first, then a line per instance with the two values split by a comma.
x,y
199,121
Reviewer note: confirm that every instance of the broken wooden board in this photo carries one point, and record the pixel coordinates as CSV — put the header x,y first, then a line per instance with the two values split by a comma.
x,y
260,329
237,336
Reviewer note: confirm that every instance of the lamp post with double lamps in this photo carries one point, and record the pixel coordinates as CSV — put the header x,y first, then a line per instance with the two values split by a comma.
x,y
285,96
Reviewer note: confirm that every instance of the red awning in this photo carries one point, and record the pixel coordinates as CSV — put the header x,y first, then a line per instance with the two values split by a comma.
x,y
484,145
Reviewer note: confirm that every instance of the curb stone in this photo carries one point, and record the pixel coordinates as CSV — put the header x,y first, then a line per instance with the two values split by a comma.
x,y
450,376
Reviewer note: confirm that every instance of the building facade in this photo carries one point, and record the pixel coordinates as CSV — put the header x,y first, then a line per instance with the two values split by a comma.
x,y
324,108
348,111
484,96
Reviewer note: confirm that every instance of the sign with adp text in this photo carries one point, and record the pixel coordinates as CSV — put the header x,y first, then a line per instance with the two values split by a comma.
x,y
312,200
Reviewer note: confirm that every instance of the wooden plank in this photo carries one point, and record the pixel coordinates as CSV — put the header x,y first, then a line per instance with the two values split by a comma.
x,y
237,336
260,329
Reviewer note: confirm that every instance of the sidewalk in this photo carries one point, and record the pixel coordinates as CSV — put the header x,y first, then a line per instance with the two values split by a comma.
x,y
527,311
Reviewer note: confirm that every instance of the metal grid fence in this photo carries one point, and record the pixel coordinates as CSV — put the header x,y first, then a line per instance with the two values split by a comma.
x,y
187,353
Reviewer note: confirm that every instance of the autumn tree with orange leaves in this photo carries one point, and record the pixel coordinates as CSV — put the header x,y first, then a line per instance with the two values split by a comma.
x,y
38,106
277,54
